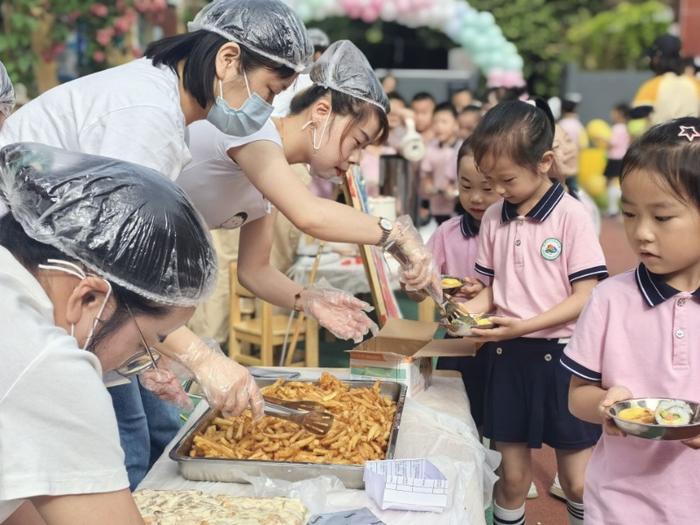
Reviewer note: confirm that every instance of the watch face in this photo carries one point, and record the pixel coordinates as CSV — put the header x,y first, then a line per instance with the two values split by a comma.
x,y
386,224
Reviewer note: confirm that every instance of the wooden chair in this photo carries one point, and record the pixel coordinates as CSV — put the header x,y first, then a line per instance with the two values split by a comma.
x,y
265,330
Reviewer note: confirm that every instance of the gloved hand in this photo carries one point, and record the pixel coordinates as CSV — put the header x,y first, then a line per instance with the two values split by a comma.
x,y
228,386
418,271
339,312
165,383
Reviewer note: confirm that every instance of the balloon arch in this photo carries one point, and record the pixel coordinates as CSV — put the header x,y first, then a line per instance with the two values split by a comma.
x,y
475,31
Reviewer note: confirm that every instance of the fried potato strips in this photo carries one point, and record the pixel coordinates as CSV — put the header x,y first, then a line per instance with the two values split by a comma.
x,y
360,431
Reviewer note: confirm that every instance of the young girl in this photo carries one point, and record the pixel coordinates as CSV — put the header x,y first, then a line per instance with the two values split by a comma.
x,y
638,336
454,247
233,181
539,248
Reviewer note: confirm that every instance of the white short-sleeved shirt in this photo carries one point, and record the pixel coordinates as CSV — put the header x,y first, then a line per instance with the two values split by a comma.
x,y
218,187
637,331
58,431
534,260
283,101
130,112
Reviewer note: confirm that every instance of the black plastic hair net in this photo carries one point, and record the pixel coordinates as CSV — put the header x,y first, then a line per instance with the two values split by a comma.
x,y
127,223
268,27
344,68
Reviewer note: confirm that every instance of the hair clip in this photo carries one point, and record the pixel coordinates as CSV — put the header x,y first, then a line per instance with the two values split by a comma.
x,y
531,101
688,132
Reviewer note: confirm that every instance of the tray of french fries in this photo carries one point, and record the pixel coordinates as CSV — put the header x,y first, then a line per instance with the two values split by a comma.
x,y
367,416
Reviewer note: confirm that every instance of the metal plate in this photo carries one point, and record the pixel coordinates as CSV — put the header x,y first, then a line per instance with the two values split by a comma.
x,y
656,431
230,470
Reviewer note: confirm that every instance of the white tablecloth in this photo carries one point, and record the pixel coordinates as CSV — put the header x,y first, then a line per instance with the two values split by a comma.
x,y
436,424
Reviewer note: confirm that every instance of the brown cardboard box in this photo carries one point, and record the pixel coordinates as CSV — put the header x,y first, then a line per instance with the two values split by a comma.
x,y
402,351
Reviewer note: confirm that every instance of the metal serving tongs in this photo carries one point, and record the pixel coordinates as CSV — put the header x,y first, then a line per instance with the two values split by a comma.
x,y
307,414
448,308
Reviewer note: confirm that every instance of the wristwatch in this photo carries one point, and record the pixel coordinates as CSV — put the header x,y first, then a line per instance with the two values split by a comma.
x,y
387,226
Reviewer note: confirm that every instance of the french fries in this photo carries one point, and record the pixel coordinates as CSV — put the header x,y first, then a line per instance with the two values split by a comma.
x,y
360,430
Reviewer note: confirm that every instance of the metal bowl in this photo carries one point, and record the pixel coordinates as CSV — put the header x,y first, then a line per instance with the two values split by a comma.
x,y
449,290
656,431
464,322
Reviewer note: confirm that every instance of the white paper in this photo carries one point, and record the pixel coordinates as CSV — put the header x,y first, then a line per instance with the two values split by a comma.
x,y
406,484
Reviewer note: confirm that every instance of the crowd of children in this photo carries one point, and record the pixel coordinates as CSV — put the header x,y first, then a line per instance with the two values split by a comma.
x,y
564,347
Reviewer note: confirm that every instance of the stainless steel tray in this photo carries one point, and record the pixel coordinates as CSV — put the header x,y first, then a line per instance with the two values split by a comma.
x,y
230,470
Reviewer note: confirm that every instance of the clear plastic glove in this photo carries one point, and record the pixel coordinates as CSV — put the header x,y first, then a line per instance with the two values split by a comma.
x,y
166,385
337,311
418,271
228,386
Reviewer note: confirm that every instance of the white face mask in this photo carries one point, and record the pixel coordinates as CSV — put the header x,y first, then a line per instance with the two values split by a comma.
x,y
110,378
331,176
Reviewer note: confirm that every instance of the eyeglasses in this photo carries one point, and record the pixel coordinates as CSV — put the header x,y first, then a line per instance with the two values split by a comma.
x,y
141,361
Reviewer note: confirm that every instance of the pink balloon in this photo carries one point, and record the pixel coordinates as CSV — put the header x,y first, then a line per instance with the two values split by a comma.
x,y
370,14
403,6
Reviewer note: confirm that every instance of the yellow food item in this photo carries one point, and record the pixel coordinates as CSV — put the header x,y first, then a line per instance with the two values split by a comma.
x,y
450,282
637,415
483,321
360,432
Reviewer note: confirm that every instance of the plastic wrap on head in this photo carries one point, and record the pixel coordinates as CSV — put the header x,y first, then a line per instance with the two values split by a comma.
x,y
267,27
7,92
344,68
125,222
318,38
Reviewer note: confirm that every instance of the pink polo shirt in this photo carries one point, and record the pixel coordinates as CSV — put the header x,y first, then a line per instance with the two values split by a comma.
x,y
439,166
533,260
454,245
638,332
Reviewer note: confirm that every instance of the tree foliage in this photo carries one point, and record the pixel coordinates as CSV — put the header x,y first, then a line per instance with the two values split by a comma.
x,y
618,38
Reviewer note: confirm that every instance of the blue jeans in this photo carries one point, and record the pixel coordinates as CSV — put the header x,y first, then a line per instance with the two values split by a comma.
x,y
146,426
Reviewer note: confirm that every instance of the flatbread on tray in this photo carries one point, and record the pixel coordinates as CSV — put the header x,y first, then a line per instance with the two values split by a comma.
x,y
192,507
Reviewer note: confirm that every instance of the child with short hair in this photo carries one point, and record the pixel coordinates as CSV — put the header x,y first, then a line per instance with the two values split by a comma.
x,y
542,254
467,119
639,336
438,169
454,247
617,147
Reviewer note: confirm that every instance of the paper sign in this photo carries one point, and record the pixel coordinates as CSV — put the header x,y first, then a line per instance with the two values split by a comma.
x,y
406,484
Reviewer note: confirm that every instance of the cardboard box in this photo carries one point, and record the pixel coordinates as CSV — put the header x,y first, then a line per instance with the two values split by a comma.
x,y
402,351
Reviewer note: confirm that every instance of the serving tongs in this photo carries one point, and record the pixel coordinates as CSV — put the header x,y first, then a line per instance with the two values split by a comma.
x,y
309,415
448,308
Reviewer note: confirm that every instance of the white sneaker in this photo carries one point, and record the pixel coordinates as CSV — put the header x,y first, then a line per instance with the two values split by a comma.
x,y
556,490
532,493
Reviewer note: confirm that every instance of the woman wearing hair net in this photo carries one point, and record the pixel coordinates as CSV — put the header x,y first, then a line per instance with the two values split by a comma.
x,y
329,125
99,261
237,54
7,95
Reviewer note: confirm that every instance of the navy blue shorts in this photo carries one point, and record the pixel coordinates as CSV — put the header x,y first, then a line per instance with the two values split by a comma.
x,y
527,397
474,372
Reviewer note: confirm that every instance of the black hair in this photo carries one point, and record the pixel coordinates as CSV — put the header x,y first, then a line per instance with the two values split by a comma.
x,y
343,104
446,106
471,108
422,95
31,253
198,51
394,95
661,64
463,89
623,109
519,130
672,157
465,150
568,106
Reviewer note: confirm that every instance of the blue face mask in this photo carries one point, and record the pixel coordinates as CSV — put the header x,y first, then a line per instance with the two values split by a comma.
x,y
242,122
